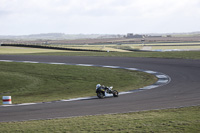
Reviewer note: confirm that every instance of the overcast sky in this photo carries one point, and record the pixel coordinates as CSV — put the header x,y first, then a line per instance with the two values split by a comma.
x,y
22,17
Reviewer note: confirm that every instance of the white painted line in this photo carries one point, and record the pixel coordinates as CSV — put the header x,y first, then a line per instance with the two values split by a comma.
x,y
162,81
122,93
76,99
149,87
111,66
65,100
161,76
57,63
151,72
6,60
84,65
30,62
7,105
132,69
25,104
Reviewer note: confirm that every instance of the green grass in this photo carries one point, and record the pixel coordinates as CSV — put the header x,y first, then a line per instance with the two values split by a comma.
x,y
27,82
42,82
177,54
21,50
34,51
182,120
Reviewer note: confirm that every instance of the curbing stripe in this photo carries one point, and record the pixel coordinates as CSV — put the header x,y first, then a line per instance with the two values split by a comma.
x,y
29,62
150,72
7,60
26,104
132,69
149,87
83,64
111,66
163,79
161,76
122,93
57,63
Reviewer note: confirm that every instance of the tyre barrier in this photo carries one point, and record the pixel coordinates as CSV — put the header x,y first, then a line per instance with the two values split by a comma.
x,y
7,100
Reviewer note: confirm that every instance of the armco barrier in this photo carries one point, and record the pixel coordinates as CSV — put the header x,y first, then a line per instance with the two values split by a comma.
x,y
50,47
7,100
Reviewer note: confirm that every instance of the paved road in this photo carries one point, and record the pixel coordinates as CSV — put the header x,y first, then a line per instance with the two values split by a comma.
x,y
183,90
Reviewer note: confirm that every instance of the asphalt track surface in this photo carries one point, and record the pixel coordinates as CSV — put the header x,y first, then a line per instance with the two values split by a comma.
x,y
182,91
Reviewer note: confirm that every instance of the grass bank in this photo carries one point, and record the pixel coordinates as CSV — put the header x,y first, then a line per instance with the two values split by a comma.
x,y
182,120
27,82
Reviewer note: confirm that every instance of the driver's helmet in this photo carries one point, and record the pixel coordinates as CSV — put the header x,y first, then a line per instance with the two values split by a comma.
x,y
98,85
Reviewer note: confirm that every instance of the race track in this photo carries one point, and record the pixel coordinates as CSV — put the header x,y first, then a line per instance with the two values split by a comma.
x,y
183,90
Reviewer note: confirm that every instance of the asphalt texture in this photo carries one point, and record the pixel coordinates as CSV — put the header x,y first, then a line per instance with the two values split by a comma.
x,y
182,91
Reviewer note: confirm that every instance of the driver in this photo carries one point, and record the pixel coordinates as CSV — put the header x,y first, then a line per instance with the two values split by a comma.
x,y
103,87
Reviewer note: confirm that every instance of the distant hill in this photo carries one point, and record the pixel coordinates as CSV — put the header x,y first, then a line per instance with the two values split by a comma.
x,y
58,36
63,36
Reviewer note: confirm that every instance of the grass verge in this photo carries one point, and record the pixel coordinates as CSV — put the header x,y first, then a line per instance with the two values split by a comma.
x,y
36,51
27,82
22,50
174,54
168,120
